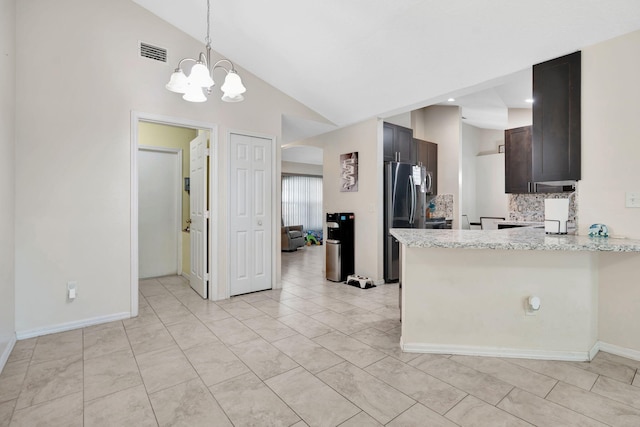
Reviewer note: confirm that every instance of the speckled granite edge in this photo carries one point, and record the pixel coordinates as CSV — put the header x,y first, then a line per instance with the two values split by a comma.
x,y
519,239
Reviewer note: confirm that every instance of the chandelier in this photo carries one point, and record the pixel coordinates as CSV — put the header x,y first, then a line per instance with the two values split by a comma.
x,y
200,78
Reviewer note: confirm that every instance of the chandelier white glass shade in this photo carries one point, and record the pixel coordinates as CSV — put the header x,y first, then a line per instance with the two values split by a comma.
x,y
200,78
199,81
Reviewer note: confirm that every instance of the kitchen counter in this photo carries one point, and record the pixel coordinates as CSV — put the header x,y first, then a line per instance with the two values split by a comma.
x,y
466,291
521,238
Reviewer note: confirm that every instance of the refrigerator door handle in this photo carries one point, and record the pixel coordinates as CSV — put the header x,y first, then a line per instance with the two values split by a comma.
x,y
413,199
391,180
429,183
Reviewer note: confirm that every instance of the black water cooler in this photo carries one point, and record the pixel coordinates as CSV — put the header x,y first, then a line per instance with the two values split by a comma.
x,y
340,246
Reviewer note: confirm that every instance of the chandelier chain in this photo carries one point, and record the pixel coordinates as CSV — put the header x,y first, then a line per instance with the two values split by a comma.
x,y
208,39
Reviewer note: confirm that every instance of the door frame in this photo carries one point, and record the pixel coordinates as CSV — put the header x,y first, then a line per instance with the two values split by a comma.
x,y
178,153
136,117
275,206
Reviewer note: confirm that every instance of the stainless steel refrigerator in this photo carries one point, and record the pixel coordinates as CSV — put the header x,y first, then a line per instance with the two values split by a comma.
x,y
406,188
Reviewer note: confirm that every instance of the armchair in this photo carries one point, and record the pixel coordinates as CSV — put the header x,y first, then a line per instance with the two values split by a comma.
x,y
292,237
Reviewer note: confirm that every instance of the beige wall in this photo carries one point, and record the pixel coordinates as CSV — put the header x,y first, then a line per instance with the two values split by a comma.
x,y
442,125
619,295
610,154
159,135
403,119
73,176
469,136
610,135
476,143
301,168
489,140
186,254
366,203
477,298
519,117
7,194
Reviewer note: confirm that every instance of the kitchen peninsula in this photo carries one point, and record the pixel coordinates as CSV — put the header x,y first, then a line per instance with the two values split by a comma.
x,y
467,291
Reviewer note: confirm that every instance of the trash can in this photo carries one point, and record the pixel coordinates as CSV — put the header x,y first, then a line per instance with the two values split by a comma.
x,y
333,266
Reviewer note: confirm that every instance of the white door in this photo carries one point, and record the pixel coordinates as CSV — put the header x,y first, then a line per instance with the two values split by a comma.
x,y
250,210
159,176
198,208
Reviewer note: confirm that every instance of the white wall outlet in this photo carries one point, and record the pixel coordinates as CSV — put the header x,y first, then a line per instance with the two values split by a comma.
x,y
72,290
532,305
632,199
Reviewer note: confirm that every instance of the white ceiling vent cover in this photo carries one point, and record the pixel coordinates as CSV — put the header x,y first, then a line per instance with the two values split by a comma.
x,y
153,52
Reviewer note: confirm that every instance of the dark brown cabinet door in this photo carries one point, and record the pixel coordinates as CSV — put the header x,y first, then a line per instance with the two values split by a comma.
x,y
427,154
398,139
517,160
556,119
388,153
404,145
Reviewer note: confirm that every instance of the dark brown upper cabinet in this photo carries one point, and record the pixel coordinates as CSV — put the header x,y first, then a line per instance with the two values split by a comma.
x,y
517,160
427,154
556,119
398,144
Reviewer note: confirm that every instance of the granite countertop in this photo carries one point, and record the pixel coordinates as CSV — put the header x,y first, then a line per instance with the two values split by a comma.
x,y
522,238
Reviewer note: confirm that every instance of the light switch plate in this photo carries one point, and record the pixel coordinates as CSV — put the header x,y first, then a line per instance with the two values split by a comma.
x,y
632,199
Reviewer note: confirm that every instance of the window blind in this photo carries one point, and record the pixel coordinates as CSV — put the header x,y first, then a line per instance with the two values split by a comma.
x,y
302,201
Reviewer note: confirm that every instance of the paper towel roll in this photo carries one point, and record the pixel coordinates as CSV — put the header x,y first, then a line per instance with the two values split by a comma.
x,y
556,215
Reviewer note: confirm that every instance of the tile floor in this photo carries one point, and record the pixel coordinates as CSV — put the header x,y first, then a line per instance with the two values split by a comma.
x,y
313,353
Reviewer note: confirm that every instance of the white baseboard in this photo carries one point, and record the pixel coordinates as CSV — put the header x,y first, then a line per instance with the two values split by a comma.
x,y
62,327
518,353
619,351
594,350
7,352
186,275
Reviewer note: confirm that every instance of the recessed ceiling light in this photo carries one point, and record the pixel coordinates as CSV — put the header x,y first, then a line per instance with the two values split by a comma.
x,y
451,99
529,100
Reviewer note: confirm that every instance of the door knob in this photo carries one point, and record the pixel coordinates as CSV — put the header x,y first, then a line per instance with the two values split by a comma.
x,y
259,222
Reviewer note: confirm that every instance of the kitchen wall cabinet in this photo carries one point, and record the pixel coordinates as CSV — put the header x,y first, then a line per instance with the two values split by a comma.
x,y
427,154
398,139
517,160
556,119
548,151
399,145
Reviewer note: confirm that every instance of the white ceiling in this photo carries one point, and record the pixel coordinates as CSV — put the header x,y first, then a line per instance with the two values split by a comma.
x,y
488,108
352,60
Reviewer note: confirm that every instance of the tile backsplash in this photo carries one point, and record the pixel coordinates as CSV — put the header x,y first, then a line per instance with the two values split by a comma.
x,y
530,207
522,207
444,205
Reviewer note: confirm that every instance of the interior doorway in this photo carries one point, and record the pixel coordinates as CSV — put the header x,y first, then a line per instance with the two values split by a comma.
x,y
302,194
184,246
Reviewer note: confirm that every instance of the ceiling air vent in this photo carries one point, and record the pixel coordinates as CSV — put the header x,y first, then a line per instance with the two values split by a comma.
x,y
153,52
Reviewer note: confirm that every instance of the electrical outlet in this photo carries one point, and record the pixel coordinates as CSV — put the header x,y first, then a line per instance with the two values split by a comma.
x,y
632,199
532,305
72,290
